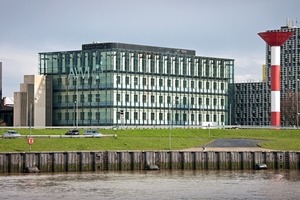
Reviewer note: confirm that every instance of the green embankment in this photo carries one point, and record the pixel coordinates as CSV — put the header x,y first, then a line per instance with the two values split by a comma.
x,y
149,139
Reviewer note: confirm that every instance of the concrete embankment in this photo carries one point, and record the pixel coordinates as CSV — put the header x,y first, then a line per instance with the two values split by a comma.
x,y
139,160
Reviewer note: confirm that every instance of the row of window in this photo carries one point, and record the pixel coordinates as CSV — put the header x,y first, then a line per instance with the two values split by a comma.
x,y
160,100
162,64
153,82
177,83
141,98
141,116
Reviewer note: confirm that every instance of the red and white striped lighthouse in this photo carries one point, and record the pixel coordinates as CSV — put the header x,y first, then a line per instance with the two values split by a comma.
x,y
275,40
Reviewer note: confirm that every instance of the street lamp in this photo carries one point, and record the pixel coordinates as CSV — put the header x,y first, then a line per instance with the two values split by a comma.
x,y
297,102
74,120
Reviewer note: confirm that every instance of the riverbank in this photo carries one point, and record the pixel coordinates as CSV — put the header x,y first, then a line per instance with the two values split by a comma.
x,y
140,160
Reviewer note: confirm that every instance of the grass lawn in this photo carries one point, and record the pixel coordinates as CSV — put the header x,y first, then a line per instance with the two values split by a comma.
x,y
149,139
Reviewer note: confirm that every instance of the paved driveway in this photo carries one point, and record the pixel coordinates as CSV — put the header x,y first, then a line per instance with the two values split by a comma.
x,y
230,145
233,143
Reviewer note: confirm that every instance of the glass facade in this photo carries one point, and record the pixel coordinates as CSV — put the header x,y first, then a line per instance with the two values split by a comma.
x,y
123,84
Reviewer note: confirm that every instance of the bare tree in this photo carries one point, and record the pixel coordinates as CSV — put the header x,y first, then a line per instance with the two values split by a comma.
x,y
289,108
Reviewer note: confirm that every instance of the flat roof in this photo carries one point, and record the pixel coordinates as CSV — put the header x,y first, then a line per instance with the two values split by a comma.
x,y
135,47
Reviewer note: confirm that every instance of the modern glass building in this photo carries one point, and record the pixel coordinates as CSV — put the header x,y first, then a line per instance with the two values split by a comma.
x,y
125,84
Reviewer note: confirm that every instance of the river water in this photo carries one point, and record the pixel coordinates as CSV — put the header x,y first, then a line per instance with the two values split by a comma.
x,y
158,185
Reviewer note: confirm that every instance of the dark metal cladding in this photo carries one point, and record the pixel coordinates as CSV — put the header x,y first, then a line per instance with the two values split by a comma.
x,y
135,47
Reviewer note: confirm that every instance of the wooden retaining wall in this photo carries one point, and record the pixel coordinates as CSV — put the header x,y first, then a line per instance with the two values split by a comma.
x,y
138,160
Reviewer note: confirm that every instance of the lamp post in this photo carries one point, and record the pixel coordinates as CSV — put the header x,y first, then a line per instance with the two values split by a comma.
x,y
74,108
297,102
76,101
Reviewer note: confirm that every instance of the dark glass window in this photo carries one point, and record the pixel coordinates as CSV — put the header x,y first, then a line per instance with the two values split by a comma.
x,y
135,115
135,98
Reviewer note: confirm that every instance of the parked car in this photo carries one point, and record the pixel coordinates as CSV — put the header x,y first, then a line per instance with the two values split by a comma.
x,y
72,132
92,132
11,134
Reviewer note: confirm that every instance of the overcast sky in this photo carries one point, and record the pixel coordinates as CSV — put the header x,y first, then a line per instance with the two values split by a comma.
x,y
215,28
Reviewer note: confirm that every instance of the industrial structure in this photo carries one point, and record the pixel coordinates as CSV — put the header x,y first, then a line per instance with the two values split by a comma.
x,y
253,99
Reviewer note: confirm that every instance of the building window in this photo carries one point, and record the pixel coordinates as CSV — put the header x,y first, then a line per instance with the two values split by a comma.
x,y
207,73
152,99
136,82
118,97
169,83
168,100
90,97
222,86
176,83
82,98
200,84
184,117
98,116
215,118
222,102
184,69
176,117
67,116
184,84
200,118
81,115
152,82
144,81
118,80
144,116
127,80
152,116
97,97
192,84
161,67
192,117
160,99
135,116
215,101
161,117
192,101
184,100
127,115
215,86
207,85
207,117
168,67
222,118
89,115
127,98
207,101
200,101
135,98
144,99
160,82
